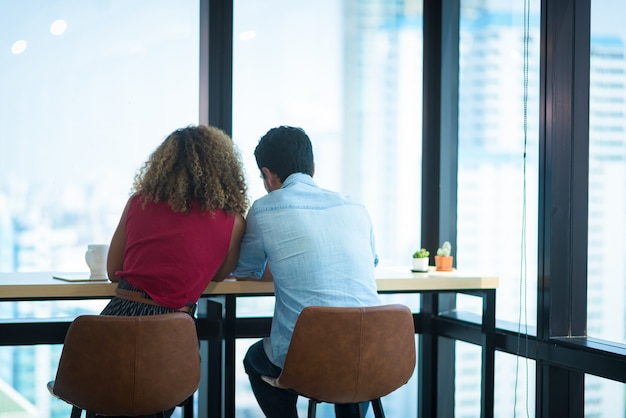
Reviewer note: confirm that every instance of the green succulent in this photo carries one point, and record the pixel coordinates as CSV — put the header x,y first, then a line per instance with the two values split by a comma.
x,y
421,253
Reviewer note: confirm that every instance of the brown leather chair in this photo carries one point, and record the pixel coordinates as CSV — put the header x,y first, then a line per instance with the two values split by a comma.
x,y
349,355
128,365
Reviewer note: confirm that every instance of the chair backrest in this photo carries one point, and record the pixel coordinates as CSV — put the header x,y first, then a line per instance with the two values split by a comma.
x,y
349,355
129,365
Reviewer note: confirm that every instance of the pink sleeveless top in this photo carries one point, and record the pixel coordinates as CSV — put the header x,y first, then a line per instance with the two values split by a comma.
x,y
173,256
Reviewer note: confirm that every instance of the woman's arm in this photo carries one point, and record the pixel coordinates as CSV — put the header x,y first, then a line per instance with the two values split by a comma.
x,y
233,250
115,258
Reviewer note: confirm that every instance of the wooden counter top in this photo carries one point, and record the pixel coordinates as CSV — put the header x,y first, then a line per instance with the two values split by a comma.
x,y
42,285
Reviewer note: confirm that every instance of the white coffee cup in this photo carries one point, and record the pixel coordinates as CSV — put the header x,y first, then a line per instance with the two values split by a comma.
x,y
96,258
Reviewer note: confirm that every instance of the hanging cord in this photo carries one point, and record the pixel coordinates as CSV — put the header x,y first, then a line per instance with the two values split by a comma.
x,y
523,312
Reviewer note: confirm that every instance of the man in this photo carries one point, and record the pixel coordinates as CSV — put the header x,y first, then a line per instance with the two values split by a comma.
x,y
316,245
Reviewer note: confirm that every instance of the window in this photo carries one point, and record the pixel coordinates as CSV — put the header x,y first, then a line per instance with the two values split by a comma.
x,y
354,84
606,296
491,151
88,90
492,190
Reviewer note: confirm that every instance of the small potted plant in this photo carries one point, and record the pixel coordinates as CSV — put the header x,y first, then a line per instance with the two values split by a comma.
x,y
443,259
420,260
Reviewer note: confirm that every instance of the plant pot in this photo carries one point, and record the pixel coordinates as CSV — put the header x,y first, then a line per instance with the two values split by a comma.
x,y
420,264
443,263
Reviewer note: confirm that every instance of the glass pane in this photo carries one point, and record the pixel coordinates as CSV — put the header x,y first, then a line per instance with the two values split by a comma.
x,y
256,306
604,398
354,84
491,183
514,381
470,304
607,172
25,393
89,89
50,309
467,379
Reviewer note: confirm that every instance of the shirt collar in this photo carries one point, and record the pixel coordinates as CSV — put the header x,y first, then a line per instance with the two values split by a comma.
x,y
298,178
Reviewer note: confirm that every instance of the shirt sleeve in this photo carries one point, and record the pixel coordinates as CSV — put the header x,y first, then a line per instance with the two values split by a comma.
x,y
373,244
252,257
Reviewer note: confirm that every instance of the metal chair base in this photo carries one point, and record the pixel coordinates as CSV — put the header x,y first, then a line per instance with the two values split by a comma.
x,y
77,412
377,406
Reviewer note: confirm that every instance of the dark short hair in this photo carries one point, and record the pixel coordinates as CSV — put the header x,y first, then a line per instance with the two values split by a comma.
x,y
285,150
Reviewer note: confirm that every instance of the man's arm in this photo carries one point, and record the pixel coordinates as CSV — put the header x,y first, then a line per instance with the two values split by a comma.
x,y
267,277
252,259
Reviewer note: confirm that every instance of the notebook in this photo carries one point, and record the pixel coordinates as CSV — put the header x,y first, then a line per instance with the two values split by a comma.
x,y
78,277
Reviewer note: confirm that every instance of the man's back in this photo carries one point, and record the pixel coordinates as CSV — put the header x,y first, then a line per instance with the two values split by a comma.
x,y
319,247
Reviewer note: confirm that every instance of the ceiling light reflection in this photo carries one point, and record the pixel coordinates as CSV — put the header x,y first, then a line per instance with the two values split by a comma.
x,y
58,27
18,47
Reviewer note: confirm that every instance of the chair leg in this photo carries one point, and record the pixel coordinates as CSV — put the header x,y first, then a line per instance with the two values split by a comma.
x,y
76,412
361,411
312,409
377,406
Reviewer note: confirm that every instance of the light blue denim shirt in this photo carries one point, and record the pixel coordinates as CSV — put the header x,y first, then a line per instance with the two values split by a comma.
x,y
320,248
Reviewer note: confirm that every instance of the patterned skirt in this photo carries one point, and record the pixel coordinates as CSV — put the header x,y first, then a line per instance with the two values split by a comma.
x,y
123,307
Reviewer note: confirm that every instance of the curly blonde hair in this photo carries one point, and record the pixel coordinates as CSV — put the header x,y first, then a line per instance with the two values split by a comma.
x,y
198,163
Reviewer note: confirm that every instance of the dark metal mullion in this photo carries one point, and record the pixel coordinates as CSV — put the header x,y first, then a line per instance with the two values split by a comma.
x,y
219,63
580,358
439,185
449,122
427,359
212,312
257,327
447,198
597,357
580,166
564,162
229,355
31,333
488,342
431,121
431,150
203,79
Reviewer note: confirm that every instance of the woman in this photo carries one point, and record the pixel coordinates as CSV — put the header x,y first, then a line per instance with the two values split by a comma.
x,y
182,226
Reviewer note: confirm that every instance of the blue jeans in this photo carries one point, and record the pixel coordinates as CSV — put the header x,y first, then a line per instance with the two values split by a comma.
x,y
281,403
